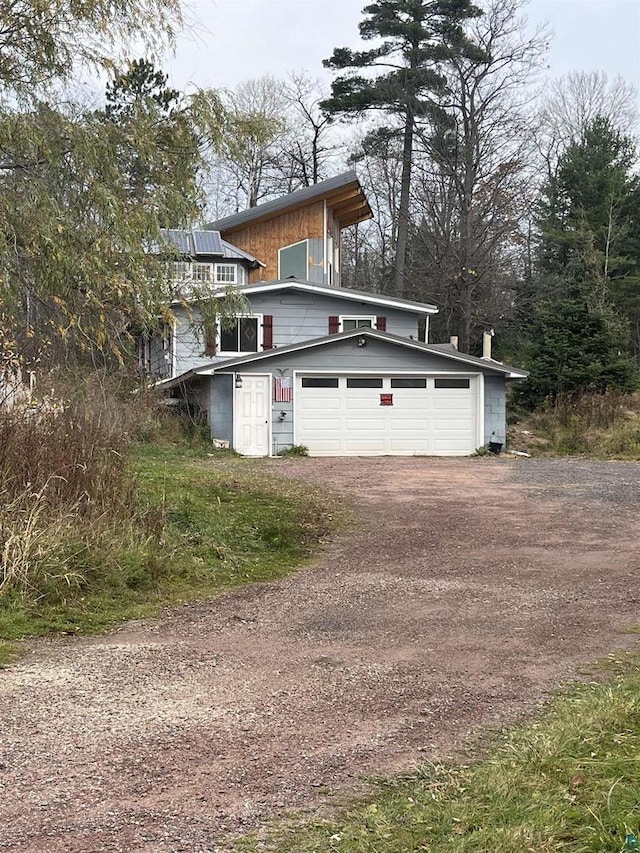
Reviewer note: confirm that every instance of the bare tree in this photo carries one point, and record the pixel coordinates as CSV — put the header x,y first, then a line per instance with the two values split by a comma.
x,y
573,101
472,194
308,148
245,170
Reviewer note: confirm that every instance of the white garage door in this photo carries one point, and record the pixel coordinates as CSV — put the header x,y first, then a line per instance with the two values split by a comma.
x,y
337,415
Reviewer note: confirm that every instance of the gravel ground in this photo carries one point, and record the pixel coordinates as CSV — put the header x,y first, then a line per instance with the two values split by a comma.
x,y
470,590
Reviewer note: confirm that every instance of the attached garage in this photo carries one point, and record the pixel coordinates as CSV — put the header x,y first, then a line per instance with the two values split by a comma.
x,y
362,392
399,415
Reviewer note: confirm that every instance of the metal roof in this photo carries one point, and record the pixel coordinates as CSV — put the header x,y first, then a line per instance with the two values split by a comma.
x,y
196,243
343,192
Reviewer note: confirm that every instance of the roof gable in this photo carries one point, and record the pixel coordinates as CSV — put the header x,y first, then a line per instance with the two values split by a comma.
x,y
478,364
343,193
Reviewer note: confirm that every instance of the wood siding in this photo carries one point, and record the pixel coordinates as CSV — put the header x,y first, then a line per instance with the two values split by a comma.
x,y
263,239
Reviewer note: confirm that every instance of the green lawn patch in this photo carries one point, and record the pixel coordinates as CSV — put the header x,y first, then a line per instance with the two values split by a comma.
x,y
206,523
568,782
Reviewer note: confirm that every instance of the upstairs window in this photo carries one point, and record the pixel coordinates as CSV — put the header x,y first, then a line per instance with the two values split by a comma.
x,y
241,337
293,261
205,273
182,270
202,273
226,274
348,324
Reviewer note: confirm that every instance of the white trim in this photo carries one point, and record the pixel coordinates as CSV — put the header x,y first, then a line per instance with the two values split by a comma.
x,y
290,246
480,421
269,376
373,299
226,264
341,371
371,317
325,245
238,353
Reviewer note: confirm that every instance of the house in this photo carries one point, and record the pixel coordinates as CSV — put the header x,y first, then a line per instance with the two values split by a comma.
x,y
305,361
200,261
299,235
360,392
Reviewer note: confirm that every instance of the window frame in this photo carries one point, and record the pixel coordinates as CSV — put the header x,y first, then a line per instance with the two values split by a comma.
x,y
371,317
228,265
259,340
290,246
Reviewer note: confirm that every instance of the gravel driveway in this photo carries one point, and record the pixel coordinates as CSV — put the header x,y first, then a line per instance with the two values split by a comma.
x,y
471,589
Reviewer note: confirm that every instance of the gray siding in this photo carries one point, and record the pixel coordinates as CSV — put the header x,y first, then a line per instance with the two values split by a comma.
x,y
495,409
297,317
221,408
188,341
384,356
281,427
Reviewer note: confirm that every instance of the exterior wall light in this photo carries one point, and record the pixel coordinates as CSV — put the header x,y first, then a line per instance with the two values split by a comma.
x,y
362,342
238,381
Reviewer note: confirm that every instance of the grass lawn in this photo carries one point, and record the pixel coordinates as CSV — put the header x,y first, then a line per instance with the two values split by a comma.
x,y
214,522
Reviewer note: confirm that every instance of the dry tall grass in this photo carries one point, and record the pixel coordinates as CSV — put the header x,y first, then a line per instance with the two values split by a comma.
x,y
68,509
603,425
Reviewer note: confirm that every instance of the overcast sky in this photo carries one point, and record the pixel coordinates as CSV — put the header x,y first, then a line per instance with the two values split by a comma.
x,y
228,41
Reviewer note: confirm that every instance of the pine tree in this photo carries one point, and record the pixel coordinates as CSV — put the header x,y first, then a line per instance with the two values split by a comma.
x,y
415,38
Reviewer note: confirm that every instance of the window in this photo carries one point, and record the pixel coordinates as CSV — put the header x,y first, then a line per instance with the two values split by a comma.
x,y
226,274
293,261
452,383
409,383
182,270
348,324
365,382
201,272
319,381
241,337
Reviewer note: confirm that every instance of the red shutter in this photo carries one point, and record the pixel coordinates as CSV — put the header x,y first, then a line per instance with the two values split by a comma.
x,y
267,331
381,324
334,325
210,335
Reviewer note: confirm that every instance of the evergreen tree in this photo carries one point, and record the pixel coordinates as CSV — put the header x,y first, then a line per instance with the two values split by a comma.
x,y
414,38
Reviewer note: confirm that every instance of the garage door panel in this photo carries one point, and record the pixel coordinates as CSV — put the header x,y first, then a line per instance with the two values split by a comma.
x,y
365,424
362,446
319,404
421,420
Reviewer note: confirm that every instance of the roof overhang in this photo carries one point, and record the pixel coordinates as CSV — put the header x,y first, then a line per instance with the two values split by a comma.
x,y
368,298
343,193
340,293
224,366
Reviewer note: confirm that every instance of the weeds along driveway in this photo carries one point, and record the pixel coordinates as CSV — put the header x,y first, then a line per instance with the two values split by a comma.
x,y
470,589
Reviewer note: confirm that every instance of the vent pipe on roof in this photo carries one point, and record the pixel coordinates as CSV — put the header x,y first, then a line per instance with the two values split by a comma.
x,y
486,343
453,340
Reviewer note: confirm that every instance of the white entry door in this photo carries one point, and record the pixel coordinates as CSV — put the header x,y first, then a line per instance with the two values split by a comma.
x,y
253,415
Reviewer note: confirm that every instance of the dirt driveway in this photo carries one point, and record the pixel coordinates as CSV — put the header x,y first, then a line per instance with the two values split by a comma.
x,y
472,588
